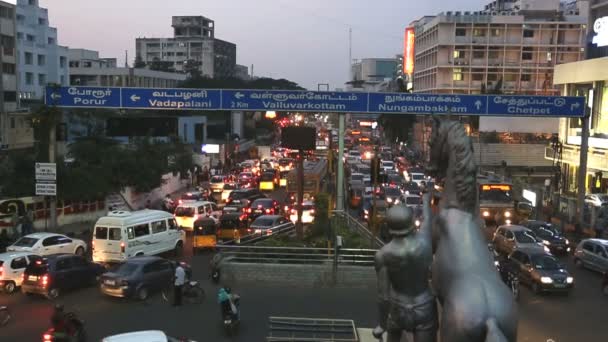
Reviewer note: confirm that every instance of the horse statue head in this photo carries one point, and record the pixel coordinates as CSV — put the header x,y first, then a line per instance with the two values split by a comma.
x,y
451,161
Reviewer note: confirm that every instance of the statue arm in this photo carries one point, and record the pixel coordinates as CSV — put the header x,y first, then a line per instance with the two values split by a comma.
x,y
426,229
383,292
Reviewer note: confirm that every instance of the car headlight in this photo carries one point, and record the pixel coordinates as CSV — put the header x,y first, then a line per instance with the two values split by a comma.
x,y
366,211
546,249
496,263
507,214
486,213
570,280
389,200
546,243
567,242
508,221
397,202
546,280
417,223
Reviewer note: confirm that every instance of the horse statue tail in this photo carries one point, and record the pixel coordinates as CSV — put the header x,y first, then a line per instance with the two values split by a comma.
x,y
493,332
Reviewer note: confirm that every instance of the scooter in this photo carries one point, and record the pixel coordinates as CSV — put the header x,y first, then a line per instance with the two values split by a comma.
x,y
76,334
232,321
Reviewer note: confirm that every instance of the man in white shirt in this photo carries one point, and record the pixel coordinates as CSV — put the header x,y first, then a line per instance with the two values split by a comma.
x,y
180,280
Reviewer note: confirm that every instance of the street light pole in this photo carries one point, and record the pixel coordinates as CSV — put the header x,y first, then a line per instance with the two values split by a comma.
x,y
340,180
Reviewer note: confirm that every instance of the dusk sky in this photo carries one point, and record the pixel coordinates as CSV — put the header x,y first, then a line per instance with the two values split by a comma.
x,y
303,41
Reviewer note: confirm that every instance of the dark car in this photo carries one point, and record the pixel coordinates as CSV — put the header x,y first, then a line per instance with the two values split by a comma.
x,y
263,206
269,224
411,188
137,277
540,270
55,273
241,199
549,236
392,194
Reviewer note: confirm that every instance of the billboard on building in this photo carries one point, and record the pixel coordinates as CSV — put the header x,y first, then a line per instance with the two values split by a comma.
x,y
408,51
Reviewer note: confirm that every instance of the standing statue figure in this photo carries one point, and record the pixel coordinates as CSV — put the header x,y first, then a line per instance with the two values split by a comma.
x,y
403,267
476,305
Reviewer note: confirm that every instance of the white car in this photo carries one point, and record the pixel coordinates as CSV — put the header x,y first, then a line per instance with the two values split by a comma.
x,y
216,184
387,165
146,335
48,243
12,266
412,201
308,213
228,187
187,213
417,177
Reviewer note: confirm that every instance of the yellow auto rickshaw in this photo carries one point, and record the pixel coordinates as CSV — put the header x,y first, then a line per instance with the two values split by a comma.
x,y
204,234
232,228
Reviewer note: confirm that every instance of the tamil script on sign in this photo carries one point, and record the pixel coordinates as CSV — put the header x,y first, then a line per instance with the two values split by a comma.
x,y
184,99
294,100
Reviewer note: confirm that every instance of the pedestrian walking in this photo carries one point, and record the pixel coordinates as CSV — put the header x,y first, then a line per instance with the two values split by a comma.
x,y
27,227
180,280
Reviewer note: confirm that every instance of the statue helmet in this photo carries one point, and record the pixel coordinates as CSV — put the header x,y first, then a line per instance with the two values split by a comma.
x,y
400,220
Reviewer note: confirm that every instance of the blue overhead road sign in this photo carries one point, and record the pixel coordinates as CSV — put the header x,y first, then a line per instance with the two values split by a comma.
x,y
315,101
285,100
83,97
427,103
182,99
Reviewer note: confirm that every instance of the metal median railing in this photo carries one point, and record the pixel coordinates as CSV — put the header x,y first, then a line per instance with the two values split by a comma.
x,y
254,237
297,255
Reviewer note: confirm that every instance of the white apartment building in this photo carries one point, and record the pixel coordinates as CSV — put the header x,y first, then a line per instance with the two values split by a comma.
x,y
193,45
41,60
88,69
15,129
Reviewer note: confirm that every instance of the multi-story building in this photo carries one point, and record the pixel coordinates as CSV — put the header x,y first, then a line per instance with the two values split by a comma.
x,y
511,46
88,69
41,60
368,73
193,46
587,78
15,129
241,72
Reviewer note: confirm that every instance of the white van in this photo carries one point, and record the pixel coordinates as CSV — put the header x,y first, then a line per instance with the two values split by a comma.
x,y
187,213
125,234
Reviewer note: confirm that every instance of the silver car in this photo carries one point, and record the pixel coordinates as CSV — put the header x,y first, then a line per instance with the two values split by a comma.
x,y
511,237
592,254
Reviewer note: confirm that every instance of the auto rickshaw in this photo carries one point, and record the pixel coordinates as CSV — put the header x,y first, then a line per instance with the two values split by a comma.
x,y
232,228
204,234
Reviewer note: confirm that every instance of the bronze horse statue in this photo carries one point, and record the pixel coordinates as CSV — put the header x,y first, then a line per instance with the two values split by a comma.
x,y
476,305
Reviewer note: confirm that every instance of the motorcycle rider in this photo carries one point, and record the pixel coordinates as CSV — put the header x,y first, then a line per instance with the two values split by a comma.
x,y
168,203
228,302
62,328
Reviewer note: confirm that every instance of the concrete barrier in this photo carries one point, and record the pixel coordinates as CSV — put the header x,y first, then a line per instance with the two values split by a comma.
x,y
311,276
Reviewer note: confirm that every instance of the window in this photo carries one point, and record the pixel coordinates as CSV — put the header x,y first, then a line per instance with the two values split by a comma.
x,y
528,33
19,263
41,60
527,56
29,78
20,17
29,58
589,247
509,234
114,234
492,77
479,32
41,79
78,262
20,35
74,64
172,224
51,41
62,240
41,21
12,123
141,230
63,264
477,77
459,54
87,64
6,12
31,2
101,233
62,80
526,77
495,32
457,76
8,68
602,253
460,32
50,241
30,38
201,210
10,96
159,226
478,54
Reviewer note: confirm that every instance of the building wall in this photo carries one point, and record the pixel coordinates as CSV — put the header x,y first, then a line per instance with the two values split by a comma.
x,y
41,60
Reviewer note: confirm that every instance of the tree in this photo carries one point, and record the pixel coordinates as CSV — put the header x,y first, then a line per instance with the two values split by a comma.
x,y
237,83
139,63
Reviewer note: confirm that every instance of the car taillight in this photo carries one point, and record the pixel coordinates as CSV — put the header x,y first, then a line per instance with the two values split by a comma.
x,y
47,337
122,247
1,271
312,211
45,280
268,211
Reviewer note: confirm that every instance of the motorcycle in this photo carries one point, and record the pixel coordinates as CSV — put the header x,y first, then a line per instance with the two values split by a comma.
x,y
5,315
215,275
232,320
75,332
506,275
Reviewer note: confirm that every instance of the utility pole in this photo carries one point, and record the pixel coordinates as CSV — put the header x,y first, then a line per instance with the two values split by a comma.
x,y
340,180
582,170
54,119
300,171
374,214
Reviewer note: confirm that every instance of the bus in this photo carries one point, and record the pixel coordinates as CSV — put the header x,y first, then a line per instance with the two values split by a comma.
x,y
314,177
497,203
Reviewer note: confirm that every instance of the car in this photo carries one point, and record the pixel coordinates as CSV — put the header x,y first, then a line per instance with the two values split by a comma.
x,y
417,177
191,196
592,254
269,180
216,184
549,236
381,208
411,188
596,200
12,266
56,273
270,224
263,206
412,201
48,243
508,238
187,213
540,270
137,277
286,164
354,154
241,199
387,165
308,213
392,195
247,180
226,190
145,335
356,178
